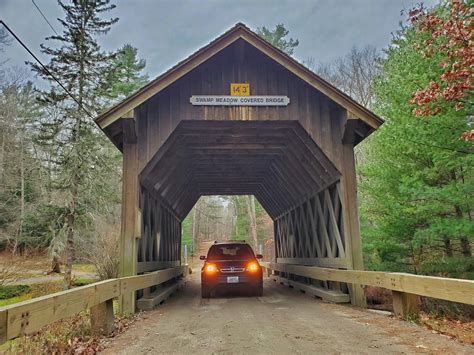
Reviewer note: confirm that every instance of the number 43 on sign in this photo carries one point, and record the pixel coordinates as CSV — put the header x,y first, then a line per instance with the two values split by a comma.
x,y
239,89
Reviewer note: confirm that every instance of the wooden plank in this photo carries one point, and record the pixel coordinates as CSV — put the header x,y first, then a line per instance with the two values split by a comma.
x,y
139,282
455,290
29,316
325,294
156,265
128,242
339,263
159,296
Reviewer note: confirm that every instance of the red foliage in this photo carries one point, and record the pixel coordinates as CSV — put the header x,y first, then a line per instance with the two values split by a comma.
x,y
454,35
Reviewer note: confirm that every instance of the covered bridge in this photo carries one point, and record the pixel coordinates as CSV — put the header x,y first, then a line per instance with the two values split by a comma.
x,y
238,117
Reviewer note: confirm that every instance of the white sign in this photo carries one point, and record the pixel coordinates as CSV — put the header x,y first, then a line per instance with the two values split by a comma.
x,y
223,100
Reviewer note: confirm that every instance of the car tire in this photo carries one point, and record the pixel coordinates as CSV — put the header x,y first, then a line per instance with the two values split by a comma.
x,y
205,292
259,291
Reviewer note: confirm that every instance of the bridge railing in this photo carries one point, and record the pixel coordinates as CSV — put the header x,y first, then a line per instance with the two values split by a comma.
x,y
31,315
406,288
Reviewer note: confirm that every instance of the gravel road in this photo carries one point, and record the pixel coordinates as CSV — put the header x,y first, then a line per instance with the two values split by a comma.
x,y
283,321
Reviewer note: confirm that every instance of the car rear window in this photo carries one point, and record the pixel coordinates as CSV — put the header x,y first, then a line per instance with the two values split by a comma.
x,y
230,252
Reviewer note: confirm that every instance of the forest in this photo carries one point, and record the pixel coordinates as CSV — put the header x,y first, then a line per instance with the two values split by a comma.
x,y
60,177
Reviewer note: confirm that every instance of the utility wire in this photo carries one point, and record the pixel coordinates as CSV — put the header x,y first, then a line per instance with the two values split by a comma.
x,y
41,12
46,69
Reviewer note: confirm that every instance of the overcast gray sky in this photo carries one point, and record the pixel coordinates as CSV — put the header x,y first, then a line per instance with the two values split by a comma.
x,y
167,31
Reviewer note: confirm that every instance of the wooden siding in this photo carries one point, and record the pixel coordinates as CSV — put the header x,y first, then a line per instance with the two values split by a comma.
x,y
240,62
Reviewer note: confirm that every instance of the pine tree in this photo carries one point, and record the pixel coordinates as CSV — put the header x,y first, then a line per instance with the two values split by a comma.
x,y
80,65
277,38
124,75
417,182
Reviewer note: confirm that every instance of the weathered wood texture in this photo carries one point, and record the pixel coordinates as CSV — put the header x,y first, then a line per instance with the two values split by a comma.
x,y
239,34
160,241
129,228
334,296
29,316
276,161
297,160
314,229
102,318
455,290
157,117
405,304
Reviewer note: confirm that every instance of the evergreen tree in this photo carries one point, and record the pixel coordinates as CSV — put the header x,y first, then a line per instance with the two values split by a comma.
x,y
80,164
124,75
277,38
417,181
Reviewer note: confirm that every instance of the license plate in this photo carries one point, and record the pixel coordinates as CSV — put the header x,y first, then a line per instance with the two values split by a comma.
x,y
232,279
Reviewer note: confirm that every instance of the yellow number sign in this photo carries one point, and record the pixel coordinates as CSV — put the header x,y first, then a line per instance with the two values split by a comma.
x,y
239,89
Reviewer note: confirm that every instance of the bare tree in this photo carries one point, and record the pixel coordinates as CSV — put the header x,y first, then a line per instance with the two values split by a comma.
x,y
252,219
353,73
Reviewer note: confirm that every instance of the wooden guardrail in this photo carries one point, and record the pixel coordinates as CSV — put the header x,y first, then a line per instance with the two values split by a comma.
x,y
29,316
405,287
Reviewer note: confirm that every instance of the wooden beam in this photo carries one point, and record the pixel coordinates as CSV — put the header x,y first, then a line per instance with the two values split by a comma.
x,y
102,318
338,263
325,294
129,128
29,316
405,304
156,265
128,237
353,242
454,290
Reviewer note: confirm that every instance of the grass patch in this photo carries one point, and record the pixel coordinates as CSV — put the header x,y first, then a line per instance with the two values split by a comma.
x,y
84,268
10,291
81,281
26,296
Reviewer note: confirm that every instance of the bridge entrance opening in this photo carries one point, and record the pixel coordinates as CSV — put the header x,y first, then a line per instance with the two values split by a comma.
x,y
283,135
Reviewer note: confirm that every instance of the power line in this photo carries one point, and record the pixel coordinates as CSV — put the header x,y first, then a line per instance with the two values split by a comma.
x,y
46,69
41,12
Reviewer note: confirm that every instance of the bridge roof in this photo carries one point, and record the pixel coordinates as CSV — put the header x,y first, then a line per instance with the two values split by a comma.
x,y
239,31
279,163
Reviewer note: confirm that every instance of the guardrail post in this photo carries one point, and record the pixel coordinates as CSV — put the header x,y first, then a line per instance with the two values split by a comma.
x,y
405,304
102,318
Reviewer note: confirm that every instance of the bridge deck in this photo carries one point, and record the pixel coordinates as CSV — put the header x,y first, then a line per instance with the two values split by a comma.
x,y
282,321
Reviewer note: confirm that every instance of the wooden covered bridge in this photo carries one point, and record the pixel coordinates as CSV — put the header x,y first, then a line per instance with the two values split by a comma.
x,y
237,117
240,117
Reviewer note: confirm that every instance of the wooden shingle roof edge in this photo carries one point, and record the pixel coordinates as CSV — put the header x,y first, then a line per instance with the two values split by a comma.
x,y
240,30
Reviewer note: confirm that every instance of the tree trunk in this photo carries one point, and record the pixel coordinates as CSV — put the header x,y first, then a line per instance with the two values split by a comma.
x,y
2,157
253,220
55,266
448,248
465,245
22,195
71,226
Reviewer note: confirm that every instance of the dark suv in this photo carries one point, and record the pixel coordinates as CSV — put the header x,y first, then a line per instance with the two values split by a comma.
x,y
231,265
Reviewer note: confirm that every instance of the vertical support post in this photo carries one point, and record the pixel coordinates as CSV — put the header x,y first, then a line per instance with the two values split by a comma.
x,y
128,237
405,304
185,254
353,243
102,318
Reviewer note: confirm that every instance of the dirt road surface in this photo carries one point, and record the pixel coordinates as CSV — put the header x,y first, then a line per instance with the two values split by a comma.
x,y
283,321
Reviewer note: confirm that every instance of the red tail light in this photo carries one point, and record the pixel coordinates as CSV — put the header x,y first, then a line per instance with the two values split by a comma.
x,y
210,268
253,267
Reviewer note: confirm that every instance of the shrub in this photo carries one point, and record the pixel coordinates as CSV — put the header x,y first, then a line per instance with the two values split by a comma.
x,y
11,291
